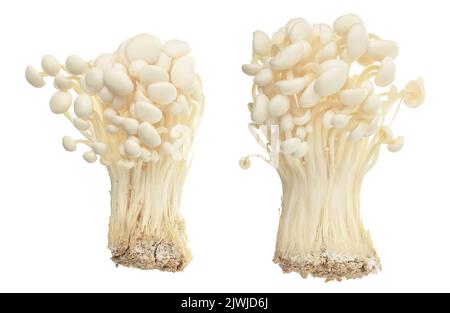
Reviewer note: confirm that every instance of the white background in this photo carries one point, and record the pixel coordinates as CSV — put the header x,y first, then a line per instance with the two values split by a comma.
x,y
54,207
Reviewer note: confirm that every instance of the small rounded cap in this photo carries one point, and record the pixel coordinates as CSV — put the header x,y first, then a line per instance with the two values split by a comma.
x,y
414,93
76,65
60,102
50,65
245,163
397,145
90,156
69,144
34,78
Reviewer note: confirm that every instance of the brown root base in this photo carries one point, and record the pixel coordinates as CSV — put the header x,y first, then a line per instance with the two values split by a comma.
x,y
163,256
331,268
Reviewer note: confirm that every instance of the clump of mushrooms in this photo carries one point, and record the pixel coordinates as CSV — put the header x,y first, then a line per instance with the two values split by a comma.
x,y
137,110
321,109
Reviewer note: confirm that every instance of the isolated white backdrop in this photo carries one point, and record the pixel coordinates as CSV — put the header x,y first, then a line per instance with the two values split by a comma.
x,y
54,207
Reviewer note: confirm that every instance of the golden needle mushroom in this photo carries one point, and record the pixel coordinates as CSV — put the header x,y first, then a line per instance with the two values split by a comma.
x,y
319,110
138,110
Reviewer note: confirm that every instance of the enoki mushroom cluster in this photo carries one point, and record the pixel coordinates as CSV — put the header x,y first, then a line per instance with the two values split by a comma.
x,y
321,109
138,111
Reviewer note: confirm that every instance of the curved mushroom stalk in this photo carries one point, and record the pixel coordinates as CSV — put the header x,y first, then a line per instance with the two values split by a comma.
x,y
138,110
322,87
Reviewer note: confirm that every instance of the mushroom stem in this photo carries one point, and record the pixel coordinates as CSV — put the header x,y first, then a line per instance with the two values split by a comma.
x,y
86,142
368,73
146,230
323,235
396,112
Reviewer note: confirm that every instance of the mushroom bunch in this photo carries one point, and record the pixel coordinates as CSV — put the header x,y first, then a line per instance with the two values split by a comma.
x,y
321,109
337,73
138,110
140,103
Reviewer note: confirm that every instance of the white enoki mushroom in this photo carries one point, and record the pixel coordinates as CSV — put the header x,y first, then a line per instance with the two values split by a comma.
x,y
137,110
314,85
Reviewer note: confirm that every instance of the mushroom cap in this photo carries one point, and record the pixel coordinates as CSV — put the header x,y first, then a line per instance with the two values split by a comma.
x,y
414,93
